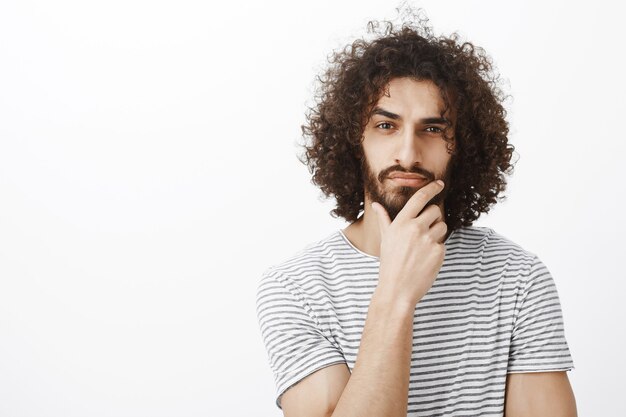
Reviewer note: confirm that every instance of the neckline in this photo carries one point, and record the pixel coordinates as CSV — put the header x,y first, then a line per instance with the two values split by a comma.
x,y
345,238
376,258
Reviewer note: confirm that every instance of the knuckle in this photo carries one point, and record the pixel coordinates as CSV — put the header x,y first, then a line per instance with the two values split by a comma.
x,y
433,210
416,226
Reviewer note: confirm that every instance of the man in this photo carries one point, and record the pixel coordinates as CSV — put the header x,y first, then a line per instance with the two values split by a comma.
x,y
411,310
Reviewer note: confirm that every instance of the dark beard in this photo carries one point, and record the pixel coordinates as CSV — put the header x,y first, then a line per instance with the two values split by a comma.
x,y
394,201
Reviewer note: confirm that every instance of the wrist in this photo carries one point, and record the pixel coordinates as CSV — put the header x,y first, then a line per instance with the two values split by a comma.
x,y
393,303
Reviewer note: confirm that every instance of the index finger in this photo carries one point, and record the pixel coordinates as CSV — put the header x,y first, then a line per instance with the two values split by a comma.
x,y
418,201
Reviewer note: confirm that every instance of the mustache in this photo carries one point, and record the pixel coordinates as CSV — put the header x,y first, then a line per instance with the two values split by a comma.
x,y
397,168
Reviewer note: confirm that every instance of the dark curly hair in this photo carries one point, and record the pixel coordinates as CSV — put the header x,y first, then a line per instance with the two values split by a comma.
x,y
355,80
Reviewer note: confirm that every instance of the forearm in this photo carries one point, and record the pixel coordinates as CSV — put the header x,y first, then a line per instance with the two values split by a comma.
x,y
379,383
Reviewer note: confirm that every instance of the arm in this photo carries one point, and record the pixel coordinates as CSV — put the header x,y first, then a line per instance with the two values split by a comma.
x,y
536,394
537,384
412,253
379,383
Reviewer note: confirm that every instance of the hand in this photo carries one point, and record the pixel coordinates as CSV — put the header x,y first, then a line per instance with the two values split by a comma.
x,y
411,247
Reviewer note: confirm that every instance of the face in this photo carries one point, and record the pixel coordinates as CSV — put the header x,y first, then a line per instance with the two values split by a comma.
x,y
404,146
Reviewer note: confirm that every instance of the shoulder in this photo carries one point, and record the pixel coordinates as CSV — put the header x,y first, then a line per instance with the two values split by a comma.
x,y
488,253
317,256
486,241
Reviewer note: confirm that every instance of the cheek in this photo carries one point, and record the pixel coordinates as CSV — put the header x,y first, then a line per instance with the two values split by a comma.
x,y
378,153
437,163
441,155
369,153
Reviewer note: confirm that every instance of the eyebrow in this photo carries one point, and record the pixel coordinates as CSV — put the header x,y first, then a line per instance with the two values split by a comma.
x,y
426,120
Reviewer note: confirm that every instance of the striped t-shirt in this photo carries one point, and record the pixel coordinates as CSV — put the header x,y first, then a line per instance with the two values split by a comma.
x,y
493,309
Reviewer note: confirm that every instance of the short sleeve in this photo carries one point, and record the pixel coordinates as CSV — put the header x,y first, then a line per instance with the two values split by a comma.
x,y
295,343
538,339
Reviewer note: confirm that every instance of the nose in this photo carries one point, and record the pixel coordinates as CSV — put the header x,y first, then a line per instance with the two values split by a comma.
x,y
409,151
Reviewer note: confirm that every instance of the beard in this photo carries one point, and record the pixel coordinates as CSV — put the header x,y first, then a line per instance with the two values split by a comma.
x,y
394,199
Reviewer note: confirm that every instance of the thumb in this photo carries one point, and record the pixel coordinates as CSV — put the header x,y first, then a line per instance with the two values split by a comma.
x,y
381,216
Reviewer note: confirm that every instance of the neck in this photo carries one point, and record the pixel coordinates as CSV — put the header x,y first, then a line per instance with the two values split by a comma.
x,y
364,233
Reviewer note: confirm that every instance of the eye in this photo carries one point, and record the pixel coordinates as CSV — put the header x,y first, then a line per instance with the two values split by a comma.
x,y
384,125
435,129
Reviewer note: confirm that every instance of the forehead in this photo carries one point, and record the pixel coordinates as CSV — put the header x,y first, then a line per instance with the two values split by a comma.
x,y
412,98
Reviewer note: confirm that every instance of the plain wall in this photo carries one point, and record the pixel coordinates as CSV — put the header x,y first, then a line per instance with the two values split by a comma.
x,y
149,175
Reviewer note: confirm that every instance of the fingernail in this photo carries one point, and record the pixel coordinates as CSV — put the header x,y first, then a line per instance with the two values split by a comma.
x,y
440,182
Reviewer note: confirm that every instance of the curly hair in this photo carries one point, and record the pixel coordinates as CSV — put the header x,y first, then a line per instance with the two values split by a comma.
x,y
355,80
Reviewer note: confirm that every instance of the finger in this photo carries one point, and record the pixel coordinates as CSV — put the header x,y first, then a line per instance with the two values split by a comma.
x,y
419,200
438,231
382,216
430,215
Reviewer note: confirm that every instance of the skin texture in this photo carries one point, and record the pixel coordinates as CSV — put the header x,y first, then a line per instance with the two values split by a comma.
x,y
405,142
399,222
408,113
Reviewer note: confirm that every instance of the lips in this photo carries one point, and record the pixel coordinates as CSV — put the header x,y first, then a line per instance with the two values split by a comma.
x,y
406,176
407,179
